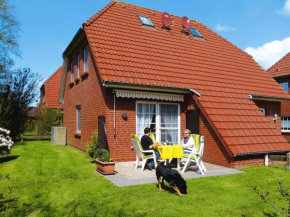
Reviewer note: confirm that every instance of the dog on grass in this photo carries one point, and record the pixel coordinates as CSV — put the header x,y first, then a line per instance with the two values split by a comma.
x,y
173,177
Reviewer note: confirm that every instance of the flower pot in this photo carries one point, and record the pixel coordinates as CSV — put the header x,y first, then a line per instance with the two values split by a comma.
x,y
105,168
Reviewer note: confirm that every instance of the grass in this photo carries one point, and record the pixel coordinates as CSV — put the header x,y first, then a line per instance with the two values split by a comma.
x,y
48,180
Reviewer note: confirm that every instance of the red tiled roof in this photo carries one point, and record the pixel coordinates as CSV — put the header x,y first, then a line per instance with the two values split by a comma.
x,y
224,75
52,87
281,68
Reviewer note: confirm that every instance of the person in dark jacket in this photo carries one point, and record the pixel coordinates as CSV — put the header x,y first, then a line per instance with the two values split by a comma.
x,y
148,144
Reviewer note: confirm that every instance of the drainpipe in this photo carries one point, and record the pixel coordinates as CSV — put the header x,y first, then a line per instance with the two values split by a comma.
x,y
266,160
288,161
114,115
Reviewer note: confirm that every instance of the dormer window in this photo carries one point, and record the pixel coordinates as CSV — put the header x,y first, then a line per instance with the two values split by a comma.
x,y
145,20
195,33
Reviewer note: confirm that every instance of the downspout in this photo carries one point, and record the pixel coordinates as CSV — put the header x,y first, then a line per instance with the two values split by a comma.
x,y
114,115
266,160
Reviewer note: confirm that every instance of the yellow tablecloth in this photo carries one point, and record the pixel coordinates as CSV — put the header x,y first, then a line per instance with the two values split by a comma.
x,y
170,151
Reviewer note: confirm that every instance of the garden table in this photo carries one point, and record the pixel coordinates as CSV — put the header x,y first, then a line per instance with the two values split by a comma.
x,y
171,151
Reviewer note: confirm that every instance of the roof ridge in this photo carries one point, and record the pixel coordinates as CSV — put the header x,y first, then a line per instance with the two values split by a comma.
x,y
52,75
100,13
286,55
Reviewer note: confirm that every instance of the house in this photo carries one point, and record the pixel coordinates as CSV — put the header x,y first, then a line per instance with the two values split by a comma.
x,y
280,71
49,91
127,68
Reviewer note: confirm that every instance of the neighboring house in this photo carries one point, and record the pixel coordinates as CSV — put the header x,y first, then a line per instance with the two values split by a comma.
x,y
49,91
32,117
124,71
280,71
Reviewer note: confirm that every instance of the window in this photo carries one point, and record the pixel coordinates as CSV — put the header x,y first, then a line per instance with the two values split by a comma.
x,y
195,33
78,108
162,118
263,110
285,86
145,20
72,71
285,122
78,65
86,58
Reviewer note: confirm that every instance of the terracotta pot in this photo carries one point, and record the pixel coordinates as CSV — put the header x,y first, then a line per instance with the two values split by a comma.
x,y
105,168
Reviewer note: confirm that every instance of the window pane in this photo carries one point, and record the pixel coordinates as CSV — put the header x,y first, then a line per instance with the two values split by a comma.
x,y
86,58
78,118
146,117
72,71
78,62
169,116
169,135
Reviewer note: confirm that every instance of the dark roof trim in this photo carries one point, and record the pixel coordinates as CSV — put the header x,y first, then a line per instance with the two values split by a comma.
x,y
282,76
73,43
260,153
110,84
268,98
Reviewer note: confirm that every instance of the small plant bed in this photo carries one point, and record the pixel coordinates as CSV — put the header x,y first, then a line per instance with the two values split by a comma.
x,y
39,179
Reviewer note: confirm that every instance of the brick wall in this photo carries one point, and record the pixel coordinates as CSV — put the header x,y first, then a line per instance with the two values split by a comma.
x,y
272,108
285,106
87,93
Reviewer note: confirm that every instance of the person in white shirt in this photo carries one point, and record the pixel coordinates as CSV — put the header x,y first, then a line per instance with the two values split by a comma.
x,y
186,142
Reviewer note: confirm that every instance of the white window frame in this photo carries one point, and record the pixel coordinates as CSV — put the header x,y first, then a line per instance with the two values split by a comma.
x,y
78,63
72,70
157,127
145,20
86,58
263,110
287,86
282,121
78,119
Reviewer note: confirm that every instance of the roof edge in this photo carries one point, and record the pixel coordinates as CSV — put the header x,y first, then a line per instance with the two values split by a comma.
x,y
268,98
110,84
277,62
100,13
260,153
72,42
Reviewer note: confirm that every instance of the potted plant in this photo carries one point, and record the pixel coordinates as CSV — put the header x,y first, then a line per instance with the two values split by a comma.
x,y
104,161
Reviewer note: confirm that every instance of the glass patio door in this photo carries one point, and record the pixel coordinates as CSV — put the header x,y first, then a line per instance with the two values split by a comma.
x,y
162,118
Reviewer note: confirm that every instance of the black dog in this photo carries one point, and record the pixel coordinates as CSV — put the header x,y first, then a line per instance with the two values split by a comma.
x,y
172,177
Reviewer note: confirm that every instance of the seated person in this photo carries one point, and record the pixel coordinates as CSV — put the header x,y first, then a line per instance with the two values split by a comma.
x,y
148,144
186,142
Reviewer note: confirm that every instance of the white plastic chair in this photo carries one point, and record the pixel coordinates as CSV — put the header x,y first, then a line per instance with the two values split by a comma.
x,y
196,157
140,154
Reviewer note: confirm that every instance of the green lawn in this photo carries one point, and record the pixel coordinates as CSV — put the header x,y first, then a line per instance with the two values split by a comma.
x,y
48,180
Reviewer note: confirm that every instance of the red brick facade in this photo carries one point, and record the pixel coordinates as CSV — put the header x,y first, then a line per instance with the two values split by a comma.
x,y
231,122
285,106
96,100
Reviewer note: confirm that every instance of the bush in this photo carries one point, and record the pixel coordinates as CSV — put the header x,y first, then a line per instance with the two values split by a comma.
x,y
93,146
48,117
5,142
94,151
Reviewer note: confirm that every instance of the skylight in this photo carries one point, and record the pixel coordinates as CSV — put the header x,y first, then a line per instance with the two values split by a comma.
x,y
145,20
195,33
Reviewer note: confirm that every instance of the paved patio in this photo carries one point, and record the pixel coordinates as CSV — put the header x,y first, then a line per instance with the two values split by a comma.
x,y
127,175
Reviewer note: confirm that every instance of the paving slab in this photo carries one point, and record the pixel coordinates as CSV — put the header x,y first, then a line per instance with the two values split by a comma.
x,y
127,175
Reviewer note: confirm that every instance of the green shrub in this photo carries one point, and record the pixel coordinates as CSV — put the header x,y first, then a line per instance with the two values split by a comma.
x,y
94,151
93,146
48,117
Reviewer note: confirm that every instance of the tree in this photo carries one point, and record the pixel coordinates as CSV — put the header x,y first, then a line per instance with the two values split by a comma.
x,y
9,30
46,118
20,90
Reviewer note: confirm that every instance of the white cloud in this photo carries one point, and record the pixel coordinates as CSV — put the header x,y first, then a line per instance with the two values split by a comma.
x,y
286,9
270,52
219,27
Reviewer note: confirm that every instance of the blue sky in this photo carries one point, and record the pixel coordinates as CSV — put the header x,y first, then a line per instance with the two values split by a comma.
x,y
260,27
